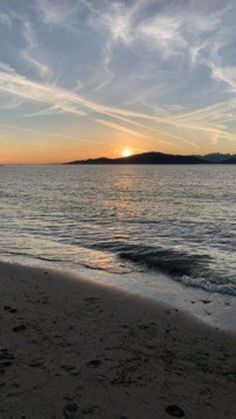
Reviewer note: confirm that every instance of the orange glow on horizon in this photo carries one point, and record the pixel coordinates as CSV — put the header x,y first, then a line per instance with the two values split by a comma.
x,y
38,150
126,152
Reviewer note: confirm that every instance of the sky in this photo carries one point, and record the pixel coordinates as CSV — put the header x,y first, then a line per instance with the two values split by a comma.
x,y
89,78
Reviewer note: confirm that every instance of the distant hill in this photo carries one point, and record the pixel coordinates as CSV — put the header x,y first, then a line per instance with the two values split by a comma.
x,y
232,160
217,157
145,158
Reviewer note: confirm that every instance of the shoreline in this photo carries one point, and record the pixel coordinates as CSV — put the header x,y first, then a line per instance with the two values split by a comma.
x,y
213,308
73,348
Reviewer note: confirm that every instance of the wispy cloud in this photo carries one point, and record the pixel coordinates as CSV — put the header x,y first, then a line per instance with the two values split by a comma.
x,y
60,99
118,19
119,127
156,70
28,53
226,75
5,19
163,32
17,85
54,13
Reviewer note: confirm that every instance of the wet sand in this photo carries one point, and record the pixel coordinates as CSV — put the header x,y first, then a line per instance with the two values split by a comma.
x,y
72,349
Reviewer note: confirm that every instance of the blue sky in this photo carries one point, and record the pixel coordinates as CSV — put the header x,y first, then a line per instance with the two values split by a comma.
x,y
82,78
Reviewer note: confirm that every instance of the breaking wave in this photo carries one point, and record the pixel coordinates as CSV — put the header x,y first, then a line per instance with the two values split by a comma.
x,y
189,269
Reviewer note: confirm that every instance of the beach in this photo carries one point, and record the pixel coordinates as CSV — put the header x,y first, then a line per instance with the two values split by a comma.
x,y
73,349
117,209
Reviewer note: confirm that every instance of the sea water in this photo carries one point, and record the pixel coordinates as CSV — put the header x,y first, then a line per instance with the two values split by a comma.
x,y
176,220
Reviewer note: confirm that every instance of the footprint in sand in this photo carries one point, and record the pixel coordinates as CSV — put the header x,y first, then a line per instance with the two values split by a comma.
x,y
174,410
19,328
94,363
10,309
70,410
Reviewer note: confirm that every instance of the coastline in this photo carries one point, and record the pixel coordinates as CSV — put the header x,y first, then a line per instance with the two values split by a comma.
x,y
71,348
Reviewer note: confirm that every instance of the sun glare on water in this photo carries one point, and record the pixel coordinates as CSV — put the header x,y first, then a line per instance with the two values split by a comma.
x,y
126,152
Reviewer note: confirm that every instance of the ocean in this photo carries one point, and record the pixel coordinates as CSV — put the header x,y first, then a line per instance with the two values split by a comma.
x,y
177,221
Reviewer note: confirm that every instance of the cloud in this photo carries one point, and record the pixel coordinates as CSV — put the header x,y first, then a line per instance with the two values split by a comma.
x,y
170,28
6,68
28,53
224,74
5,19
161,69
42,69
53,13
16,85
163,32
119,127
12,104
118,20
188,34
60,13
60,99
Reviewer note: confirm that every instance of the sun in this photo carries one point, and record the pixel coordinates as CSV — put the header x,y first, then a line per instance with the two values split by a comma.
x,y
126,152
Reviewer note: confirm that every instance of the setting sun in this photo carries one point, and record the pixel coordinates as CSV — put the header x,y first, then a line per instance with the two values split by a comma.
x,y
126,152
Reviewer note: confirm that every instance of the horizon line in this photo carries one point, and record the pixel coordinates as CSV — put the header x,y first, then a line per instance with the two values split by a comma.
x,y
111,158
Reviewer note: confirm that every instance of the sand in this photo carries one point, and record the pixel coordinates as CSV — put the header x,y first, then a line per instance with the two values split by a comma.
x,y
72,349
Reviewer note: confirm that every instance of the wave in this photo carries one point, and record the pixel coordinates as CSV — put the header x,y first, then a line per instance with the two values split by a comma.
x,y
207,285
168,261
187,268
31,256
192,270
